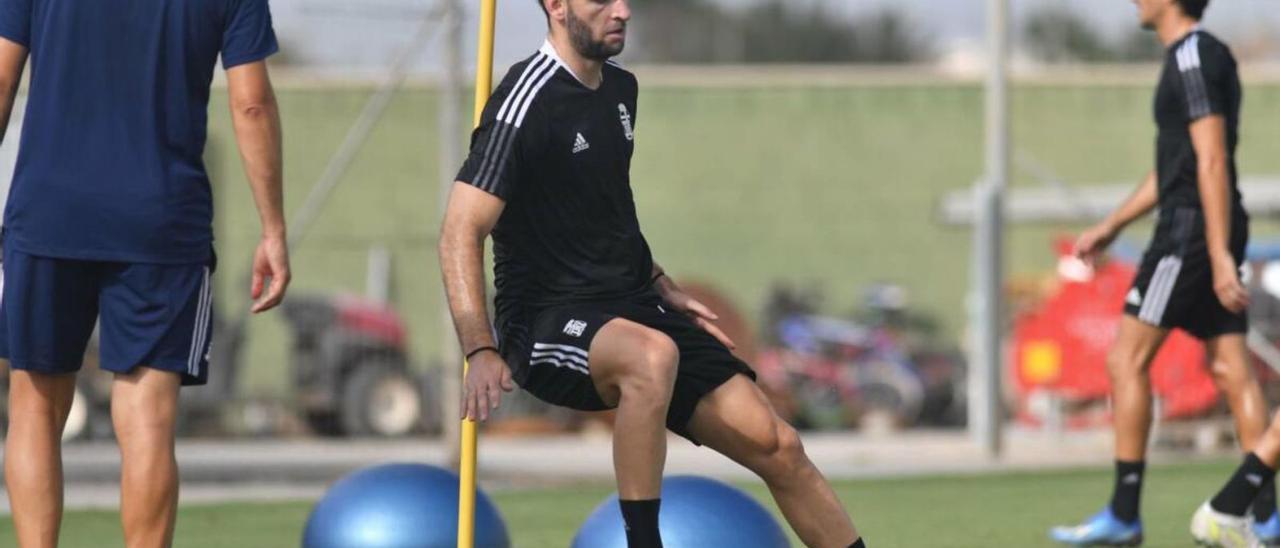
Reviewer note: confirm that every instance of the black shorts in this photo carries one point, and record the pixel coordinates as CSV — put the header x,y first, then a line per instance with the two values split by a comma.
x,y
1174,285
549,357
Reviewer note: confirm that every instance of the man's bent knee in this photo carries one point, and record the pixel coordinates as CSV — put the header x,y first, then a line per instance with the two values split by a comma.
x,y
1228,374
654,363
782,451
661,357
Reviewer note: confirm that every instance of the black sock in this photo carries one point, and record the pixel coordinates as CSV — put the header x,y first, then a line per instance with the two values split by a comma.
x,y
1240,491
1128,489
641,517
858,544
1265,505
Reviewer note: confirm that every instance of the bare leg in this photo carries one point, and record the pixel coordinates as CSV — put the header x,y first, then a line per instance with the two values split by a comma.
x,y
1233,373
38,408
144,405
737,421
1129,364
634,368
1268,448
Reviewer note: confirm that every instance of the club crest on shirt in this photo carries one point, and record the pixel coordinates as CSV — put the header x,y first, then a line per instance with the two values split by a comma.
x,y
626,122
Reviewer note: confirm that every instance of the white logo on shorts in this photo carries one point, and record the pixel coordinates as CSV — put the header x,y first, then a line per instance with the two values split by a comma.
x,y
1134,298
575,328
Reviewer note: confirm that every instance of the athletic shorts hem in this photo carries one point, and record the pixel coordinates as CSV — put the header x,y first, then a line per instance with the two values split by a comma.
x,y
178,368
38,366
681,412
1239,327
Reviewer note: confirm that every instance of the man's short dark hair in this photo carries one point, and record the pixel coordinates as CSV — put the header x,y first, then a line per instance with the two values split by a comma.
x,y
1194,8
542,5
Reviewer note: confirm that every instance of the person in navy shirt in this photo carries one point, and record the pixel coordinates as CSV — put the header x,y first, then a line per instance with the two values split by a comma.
x,y
108,223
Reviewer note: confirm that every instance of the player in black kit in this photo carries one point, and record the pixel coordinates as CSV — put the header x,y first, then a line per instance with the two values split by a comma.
x,y
584,317
1189,278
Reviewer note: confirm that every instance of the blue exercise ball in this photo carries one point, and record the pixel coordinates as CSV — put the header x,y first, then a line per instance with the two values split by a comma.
x,y
696,512
398,506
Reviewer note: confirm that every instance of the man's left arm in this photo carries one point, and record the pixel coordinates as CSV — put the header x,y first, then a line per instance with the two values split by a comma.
x,y
686,304
1209,137
1210,82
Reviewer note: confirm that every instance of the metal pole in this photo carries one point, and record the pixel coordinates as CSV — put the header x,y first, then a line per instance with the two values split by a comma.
x,y
988,247
467,466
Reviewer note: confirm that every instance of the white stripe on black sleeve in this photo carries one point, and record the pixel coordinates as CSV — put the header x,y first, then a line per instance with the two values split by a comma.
x,y
510,118
1193,81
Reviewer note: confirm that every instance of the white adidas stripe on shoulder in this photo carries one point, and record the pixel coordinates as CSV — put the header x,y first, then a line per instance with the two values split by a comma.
x,y
1188,53
524,108
520,83
543,68
1189,65
510,116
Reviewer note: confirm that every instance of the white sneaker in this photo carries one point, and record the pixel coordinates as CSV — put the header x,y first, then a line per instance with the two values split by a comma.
x,y
1218,530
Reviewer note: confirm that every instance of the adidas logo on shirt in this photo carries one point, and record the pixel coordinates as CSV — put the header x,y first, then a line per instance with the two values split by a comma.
x,y
1134,297
580,144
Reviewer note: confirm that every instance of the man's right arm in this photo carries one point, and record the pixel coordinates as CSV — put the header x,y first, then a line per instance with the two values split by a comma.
x,y
468,220
13,59
256,119
1096,239
1138,204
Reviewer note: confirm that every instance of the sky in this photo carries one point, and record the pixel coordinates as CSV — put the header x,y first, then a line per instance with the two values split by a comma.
x,y
333,34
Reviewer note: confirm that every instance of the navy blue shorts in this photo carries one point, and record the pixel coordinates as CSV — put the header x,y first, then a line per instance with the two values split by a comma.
x,y
153,315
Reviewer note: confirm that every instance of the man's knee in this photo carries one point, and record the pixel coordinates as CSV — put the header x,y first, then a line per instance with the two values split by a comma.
x,y
653,368
1230,374
1124,364
36,394
780,449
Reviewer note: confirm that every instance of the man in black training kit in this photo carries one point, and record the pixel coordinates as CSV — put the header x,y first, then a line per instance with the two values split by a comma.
x,y
585,319
1189,277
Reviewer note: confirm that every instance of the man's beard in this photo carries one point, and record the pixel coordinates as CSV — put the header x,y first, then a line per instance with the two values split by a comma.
x,y
580,36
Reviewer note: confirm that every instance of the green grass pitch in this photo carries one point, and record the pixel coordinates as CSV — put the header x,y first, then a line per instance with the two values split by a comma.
x,y
977,511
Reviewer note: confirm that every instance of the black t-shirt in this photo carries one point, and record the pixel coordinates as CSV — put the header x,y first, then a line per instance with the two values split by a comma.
x,y
559,154
1199,79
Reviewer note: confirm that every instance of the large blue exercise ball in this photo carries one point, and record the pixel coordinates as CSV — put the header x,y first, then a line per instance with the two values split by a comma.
x,y
398,506
696,512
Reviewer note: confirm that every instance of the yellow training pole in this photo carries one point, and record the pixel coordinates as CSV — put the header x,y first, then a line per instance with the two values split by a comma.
x,y
467,468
